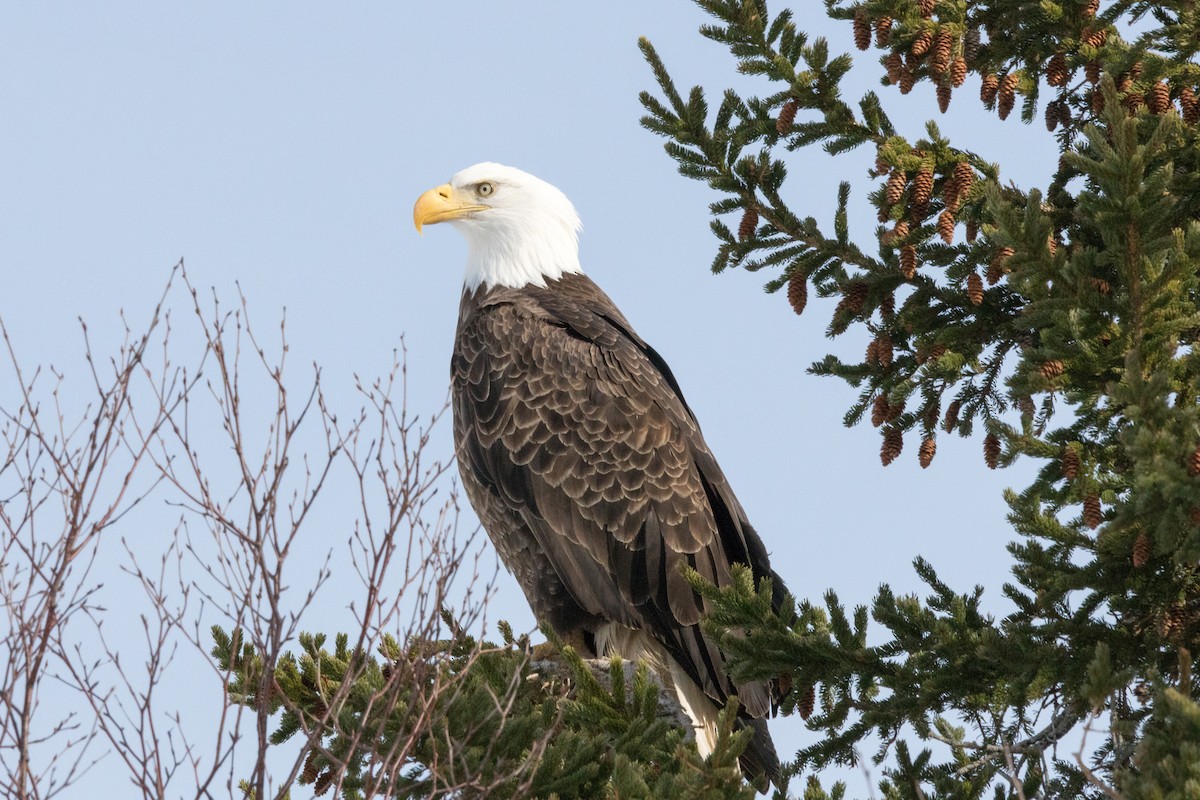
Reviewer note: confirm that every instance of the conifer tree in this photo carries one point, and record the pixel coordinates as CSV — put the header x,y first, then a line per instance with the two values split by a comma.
x,y
1058,323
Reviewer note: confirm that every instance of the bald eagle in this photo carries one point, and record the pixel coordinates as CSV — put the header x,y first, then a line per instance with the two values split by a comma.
x,y
581,457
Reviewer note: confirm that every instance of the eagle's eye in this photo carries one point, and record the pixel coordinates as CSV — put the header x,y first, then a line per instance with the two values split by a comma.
x,y
485,189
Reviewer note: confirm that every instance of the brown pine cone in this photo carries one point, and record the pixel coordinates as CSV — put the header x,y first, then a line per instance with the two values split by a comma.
x,y
908,262
895,67
988,89
922,187
1052,115
958,71
1052,369
1135,71
884,351
1090,8
895,187
880,410
807,702
1159,99
1194,516
1097,100
920,45
1194,462
942,50
862,29
872,354
964,176
943,97
1000,260
887,306
926,7
1051,245
797,292
1070,463
950,193
991,450
1025,405
787,115
1189,106
927,451
1133,101
883,31
856,297
1143,548
1056,70
950,421
1094,37
1100,285
1173,620
1093,515
945,226
1092,72
908,79
972,229
309,773
749,223
900,231
893,443
971,44
1006,96
975,289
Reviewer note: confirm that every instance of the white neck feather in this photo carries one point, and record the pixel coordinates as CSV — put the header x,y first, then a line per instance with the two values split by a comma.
x,y
519,250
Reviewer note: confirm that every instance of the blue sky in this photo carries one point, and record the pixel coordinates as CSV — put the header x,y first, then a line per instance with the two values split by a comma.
x,y
279,148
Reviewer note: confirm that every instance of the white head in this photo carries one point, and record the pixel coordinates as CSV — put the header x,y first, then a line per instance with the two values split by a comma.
x,y
520,230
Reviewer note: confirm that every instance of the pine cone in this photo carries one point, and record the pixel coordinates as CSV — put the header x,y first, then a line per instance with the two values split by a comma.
x,y
321,784
908,79
862,29
1092,72
1135,71
1070,463
926,7
1052,245
309,773
943,97
1000,261
975,289
950,193
1056,70
807,702
942,50
988,89
887,306
797,292
893,443
922,187
950,421
945,226
1194,516
1159,99
1094,37
1193,465
900,231
895,187
1189,105
1090,8
884,351
1093,515
908,262
1052,369
880,410
964,176
883,31
1143,548
1097,100
787,115
991,450
971,44
1052,115
920,45
1006,96
895,67
1173,620
994,273
1025,405
749,223
972,229
1100,285
1133,101
856,297
958,71
872,354
927,451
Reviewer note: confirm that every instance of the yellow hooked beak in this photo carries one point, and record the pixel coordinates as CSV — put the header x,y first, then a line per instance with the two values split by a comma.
x,y
440,204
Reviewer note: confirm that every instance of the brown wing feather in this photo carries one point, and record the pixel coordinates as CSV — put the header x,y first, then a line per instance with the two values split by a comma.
x,y
588,469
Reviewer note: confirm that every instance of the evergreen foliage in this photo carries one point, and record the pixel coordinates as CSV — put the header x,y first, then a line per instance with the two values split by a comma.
x,y
463,718
1055,323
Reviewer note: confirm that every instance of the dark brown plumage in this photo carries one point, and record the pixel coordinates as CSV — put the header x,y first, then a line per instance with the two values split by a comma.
x,y
582,459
